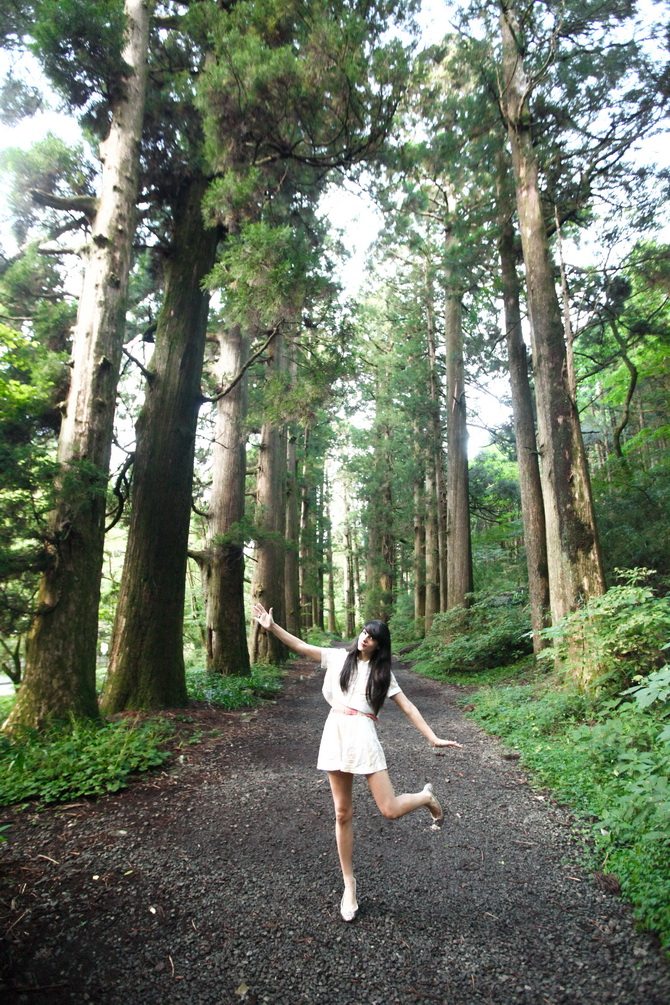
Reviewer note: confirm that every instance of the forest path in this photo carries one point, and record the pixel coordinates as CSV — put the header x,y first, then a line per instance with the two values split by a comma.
x,y
218,881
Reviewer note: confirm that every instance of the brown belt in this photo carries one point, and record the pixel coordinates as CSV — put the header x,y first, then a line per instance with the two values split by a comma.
x,y
356,711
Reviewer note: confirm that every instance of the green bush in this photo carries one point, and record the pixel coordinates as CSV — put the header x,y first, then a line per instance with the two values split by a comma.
x,y
79,758
404,627
233,692
493,632
317,636
609,762
613,639
6,705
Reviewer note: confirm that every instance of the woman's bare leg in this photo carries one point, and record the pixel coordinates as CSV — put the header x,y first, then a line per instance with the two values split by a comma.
x,y
341,784
392,806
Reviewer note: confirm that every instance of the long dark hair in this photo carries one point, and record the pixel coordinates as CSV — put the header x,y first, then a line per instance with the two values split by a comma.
x,y
379,676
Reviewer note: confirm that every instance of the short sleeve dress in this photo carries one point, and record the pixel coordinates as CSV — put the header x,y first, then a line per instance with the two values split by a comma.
x,y
350,742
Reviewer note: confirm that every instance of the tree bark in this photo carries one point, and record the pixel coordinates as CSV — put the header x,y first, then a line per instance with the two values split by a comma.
x,y
437,451
146,664
350,591
292,570
267,583
419,552
532,506
306,539
459,550
630,391
432,549
330,607
223,565
380,574
574,561
61,650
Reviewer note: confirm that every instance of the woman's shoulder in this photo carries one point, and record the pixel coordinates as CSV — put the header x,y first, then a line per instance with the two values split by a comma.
x,y
333,657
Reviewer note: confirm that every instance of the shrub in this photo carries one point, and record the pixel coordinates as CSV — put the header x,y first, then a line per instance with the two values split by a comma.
x,y
317,636
78,758
233,692
493,632
404,627
611,640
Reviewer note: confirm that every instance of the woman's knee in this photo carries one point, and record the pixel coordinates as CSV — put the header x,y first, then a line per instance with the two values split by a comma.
x,y
388,809
344,814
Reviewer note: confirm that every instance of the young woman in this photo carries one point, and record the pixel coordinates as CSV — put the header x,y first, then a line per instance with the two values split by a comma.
x,y
356,683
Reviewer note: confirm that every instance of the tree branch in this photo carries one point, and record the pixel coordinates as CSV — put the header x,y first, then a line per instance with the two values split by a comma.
x,y
149,377
86,204
252,359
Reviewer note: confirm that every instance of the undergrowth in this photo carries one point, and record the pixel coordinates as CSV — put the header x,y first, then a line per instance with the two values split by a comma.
x,y
70,760
594,726
234,692
78,758
609,763
493,632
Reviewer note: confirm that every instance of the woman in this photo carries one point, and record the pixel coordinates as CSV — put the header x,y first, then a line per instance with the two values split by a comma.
x,y
356,683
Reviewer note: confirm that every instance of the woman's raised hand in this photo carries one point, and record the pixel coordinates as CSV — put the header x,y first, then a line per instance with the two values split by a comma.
x,y
263,617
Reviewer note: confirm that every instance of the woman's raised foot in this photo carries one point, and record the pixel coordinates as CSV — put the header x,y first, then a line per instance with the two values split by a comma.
x,y
435,808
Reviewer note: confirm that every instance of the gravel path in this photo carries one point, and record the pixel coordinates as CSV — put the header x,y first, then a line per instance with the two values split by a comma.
x,y
218,882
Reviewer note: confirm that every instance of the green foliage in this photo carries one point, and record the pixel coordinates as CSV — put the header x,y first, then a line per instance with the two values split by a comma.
x,y
79,43
655,688
6,705
50,166
28,375
317,636
233,692
632,500
493,632
613,639
610,764
79,758
404,627
18,100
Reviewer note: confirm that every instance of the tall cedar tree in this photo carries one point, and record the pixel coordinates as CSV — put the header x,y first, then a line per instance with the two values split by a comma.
x,y
574,561
61,652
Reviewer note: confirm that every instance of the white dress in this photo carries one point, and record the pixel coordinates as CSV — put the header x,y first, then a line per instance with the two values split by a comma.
x,y
349,742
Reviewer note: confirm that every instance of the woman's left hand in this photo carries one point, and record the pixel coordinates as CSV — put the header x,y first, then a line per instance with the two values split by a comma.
x,y
446,743
263,617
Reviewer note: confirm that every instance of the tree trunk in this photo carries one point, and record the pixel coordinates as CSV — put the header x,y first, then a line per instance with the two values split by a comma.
x,y
575,567
332,621
532,507
432,552
223,561
459,551
419,553
267,582
292,569
381,536
350,592
306,539
146,664
61,650
437,450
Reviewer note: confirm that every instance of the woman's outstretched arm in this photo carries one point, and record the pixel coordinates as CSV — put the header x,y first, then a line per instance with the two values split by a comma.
x,y
417,720
266,621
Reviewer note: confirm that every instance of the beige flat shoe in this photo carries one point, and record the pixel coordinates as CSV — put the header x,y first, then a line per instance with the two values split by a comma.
x,y
435,808
348,913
